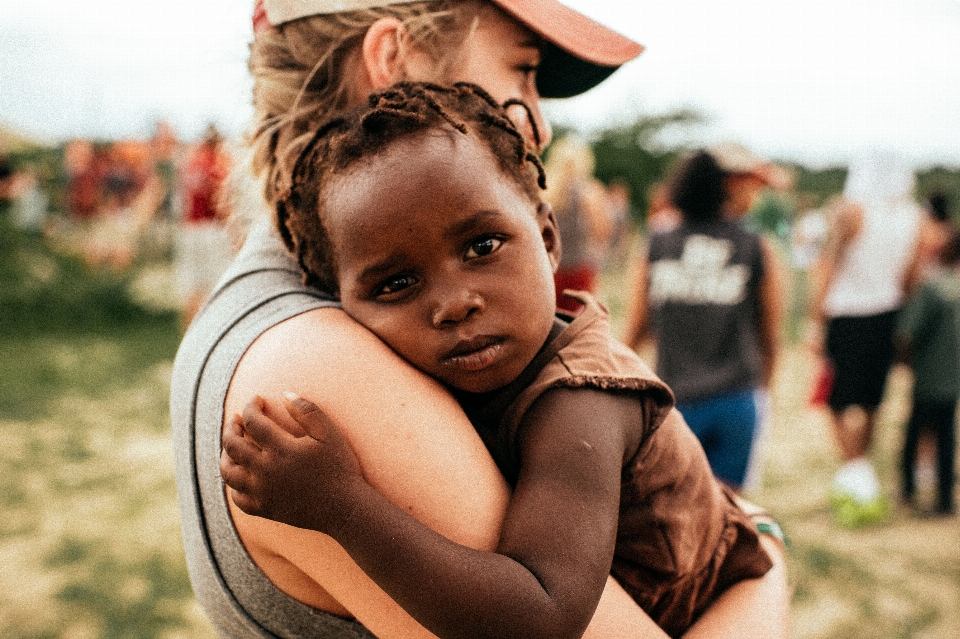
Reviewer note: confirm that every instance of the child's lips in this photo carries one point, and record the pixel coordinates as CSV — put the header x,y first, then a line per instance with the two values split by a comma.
x,y
475,354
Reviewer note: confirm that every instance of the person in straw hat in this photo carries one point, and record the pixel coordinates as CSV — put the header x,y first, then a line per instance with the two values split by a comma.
x,y
710,293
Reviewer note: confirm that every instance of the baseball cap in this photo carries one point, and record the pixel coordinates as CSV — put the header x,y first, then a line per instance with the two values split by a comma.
x,y
578,52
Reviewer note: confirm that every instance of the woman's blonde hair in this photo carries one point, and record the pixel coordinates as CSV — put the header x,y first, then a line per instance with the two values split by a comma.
x,y
569,160
305,71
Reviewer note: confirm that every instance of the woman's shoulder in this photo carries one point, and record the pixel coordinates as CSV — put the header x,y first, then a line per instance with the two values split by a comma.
x,y
327,344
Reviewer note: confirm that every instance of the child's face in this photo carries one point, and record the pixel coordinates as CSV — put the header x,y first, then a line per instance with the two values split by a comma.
x,y
445,258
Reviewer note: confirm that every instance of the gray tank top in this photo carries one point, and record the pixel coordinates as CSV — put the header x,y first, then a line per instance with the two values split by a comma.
x,y
261,288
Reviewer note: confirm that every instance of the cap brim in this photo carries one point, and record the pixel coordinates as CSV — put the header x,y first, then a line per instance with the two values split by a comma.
x,y
563,75
580,53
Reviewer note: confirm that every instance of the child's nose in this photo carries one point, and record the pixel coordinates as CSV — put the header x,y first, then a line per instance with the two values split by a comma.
x,y
456,306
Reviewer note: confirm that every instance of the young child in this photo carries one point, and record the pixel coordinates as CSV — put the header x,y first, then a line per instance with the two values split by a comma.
x,y
929,331
422,212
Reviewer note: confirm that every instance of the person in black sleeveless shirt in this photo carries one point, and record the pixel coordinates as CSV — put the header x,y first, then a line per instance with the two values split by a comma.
x,y
710,294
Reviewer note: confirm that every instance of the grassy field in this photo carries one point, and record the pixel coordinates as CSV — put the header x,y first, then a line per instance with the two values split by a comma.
x,y
90,542
90,539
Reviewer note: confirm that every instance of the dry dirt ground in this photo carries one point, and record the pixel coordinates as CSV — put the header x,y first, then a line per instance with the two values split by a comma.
x,y
898,579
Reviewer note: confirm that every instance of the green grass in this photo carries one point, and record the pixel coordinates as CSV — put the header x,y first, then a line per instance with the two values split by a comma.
x,y
89,538
90,365
90,535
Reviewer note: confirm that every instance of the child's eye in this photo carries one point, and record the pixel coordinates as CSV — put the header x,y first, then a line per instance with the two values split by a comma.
x,y
484,246
395,285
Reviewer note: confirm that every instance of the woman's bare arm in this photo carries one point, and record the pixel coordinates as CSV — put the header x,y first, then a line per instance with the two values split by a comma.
x,y
754,608
413,441
551,563
751,609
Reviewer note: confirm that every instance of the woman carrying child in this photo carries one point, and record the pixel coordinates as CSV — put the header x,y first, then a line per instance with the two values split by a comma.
x,y
264,332
421,212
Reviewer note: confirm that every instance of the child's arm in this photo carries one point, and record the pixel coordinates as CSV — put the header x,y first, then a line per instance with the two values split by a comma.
x,y
557,544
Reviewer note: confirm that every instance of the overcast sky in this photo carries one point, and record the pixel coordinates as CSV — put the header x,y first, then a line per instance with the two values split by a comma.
x,y
809,80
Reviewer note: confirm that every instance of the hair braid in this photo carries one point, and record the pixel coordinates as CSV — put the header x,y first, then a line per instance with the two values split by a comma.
x,y
532,120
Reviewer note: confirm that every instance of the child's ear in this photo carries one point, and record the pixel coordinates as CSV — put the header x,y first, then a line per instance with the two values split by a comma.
x,y
550,233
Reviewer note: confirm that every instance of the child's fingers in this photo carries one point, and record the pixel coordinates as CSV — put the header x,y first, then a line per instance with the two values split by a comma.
x,y
310,416
233,430
234,475
246,503
260,428
241,450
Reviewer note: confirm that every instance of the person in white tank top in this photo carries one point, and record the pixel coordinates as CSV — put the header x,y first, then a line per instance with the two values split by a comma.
x,y
870,262
871,275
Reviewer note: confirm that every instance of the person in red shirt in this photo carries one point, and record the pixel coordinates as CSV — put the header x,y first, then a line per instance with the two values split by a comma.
x,y
204,249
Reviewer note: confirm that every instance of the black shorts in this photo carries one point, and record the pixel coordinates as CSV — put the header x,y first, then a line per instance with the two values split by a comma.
x,y
861,351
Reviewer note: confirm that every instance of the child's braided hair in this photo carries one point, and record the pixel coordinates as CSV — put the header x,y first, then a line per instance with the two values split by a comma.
x,y
400,111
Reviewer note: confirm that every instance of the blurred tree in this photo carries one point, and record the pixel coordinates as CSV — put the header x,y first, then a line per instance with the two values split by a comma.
x,y
773,214
819,184
636,154
822,184
943,180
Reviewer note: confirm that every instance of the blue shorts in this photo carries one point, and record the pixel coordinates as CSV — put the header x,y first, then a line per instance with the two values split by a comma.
x,y
727,426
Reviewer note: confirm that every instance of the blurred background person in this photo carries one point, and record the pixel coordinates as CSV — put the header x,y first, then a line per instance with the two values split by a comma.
x,y
710,293
204,247
20,192
807,237
580,205
620,213
6,179
123,211
81,164
936,229
29,201
871,260
160,203
662,215
928,338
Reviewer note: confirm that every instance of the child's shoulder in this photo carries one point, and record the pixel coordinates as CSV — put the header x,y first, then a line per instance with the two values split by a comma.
x,y
585,355
587,348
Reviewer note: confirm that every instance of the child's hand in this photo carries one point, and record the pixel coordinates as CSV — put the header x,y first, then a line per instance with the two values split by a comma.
x,y
308,482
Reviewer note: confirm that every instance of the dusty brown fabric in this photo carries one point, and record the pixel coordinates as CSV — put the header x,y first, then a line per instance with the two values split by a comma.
x,y
681,540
